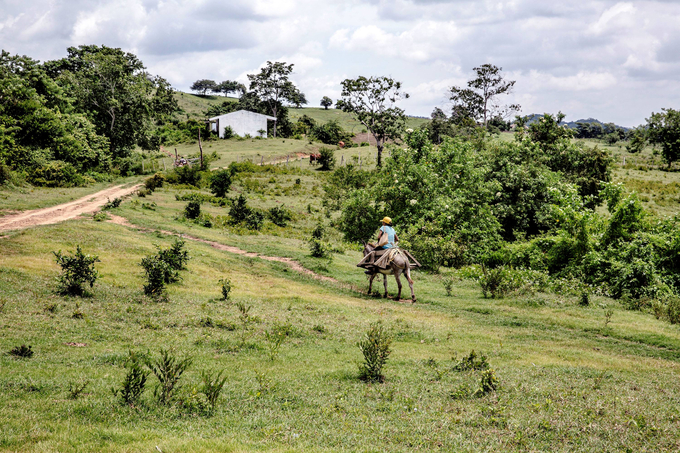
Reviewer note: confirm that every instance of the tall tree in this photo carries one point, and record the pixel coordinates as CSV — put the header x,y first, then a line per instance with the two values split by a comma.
x,y
326,102
664,129
203,86
372,102
114,90
479,100
273,86
228,86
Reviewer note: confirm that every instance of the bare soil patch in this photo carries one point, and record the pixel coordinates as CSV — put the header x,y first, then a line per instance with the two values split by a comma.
x,y
65,211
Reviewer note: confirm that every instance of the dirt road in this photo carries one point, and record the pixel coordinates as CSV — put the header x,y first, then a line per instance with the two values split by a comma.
x,y
65,211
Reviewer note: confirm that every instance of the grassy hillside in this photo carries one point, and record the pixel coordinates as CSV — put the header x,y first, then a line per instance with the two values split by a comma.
x,y
570,378
194,105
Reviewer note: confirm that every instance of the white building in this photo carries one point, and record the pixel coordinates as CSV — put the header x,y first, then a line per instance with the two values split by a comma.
x,y
242,122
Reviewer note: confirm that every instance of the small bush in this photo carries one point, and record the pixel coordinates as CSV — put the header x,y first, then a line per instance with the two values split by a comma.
x,y
154,182
326,159
275,338
143,192
471,362
110,204
76,270
211,387
56,174
279,215
22,351
220,182
134,383
447,283
239,211
318,249
584,301
192,210
246,321
375,347
168,370
673,310
188,174
495,283
487,383
228,133
5,173
255,220
225,287
157,272
75,389
100,216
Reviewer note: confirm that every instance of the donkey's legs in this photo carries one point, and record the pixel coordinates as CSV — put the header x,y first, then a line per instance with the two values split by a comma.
x,y
370,283
397,272
385,283
407,273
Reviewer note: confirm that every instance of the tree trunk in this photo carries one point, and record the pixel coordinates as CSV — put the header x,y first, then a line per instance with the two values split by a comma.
x,y
200,146
380,150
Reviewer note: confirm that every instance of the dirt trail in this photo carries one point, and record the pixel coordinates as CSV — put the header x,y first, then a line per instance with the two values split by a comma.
x,y
66,211
227,248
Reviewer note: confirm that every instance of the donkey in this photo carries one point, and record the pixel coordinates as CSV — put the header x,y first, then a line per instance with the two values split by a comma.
x,y
399,264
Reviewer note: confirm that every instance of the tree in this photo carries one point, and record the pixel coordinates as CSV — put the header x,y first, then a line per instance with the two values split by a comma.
x,y
478,100
326,102
272,86
664,129
228,86
204,85
371,101
637,140
116,93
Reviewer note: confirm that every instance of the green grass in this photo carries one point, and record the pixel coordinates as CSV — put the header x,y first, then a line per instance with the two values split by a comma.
x,y
567,381
348,123
194,105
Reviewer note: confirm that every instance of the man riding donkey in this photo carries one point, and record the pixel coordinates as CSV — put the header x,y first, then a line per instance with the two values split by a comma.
x,y
387,259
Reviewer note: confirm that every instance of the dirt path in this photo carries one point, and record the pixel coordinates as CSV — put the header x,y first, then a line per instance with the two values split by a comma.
x,y
66,211
227,248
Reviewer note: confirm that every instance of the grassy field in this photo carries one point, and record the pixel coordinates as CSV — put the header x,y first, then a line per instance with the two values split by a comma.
x,y
571,378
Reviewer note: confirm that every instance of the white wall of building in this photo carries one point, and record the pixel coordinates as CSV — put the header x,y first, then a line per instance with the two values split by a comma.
x,y
242,122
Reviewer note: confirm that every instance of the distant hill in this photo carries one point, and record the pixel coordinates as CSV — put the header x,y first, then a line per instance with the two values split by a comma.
x,y
572,124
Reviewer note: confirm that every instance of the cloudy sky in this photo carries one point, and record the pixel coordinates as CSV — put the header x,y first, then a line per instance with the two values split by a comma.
x,y
616,61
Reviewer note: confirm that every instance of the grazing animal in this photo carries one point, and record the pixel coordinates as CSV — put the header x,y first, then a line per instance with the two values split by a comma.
x,y
314,158
400,264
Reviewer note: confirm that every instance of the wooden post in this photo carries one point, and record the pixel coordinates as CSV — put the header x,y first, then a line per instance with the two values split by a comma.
x,y
143,167
164,167
287,157
176,157
262,161
342,161
200,146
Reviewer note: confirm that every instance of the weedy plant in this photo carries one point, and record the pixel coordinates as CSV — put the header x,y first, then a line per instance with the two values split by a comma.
x,y
275,337
75,389
211,386
225,284
76,271
447,283
134,383
168,370
487,383
22,351
192,210
100,216
157,273
494,282
246,321
584,301
608,317
375,346
472,362
110,204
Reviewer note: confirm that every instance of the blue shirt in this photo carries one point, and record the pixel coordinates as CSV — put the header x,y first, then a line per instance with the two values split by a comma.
x,y
389,231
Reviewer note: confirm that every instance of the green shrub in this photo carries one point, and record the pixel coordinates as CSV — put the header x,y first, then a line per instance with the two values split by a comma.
x,y
211,386
220,182
76,271
326,158
487,383
143,192
433,251
55,174
175,256
275,338
5,173
110,204
154,182
22,351
495,283
75,389
168,370
134,383
584,300
239,211
673,310
318,249
375,346
447,282
157,273
188,174
192,210
472,362
100,216
279,215
225,285
255,220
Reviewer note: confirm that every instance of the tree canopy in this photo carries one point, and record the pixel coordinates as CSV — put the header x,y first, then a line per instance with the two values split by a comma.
x,y
479,100
326,102
371,100
205,85
272,86
664,129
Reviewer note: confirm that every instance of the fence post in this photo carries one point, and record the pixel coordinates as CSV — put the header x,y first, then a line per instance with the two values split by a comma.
x,y
143,167
262,161
164,167
342,161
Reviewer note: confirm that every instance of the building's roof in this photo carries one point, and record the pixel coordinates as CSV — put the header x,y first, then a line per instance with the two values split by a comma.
x,y
242,112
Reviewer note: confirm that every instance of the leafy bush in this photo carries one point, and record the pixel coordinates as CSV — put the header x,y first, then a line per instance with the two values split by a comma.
x,y
110,204
472,362
326,158
22,351
154,182
175,256
275,338
157,272
487,382
134,383
495,282
5,173
168,370
433,251
220,182
239,211
192,210
673,310
255,220
100,216
318,249
55,174
212,385
188,174
279,215
225,285
76,270
375,346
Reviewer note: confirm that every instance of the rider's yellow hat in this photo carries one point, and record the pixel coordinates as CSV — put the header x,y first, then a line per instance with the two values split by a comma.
x,y
387,220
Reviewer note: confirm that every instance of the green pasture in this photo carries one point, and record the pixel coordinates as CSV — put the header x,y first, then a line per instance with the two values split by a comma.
x,y
571,378
193,105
